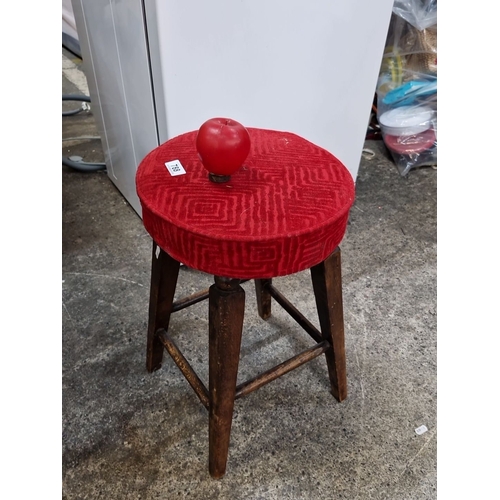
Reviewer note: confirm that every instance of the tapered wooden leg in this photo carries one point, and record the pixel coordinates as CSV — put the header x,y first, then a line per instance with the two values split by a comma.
x,y
263,298
327,284
164,273
226,309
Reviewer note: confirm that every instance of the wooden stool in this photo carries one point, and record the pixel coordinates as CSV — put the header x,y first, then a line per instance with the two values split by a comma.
x,y
284,211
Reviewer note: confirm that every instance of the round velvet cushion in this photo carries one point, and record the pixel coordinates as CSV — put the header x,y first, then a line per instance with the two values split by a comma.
x,y
284,211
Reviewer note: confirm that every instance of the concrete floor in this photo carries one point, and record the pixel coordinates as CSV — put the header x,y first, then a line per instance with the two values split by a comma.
x,y
128,434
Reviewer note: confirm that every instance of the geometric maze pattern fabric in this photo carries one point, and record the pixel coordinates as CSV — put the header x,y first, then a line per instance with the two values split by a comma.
x,y
283,211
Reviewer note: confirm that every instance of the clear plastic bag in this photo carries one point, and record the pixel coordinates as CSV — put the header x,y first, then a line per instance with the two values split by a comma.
x,y
407,85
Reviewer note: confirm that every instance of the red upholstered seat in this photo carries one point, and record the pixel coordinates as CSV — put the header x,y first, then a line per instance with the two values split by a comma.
x,y
284,211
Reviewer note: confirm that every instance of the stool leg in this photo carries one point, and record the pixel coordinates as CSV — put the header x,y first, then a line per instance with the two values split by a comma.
x,y
263,298
164,273
226,309
327,284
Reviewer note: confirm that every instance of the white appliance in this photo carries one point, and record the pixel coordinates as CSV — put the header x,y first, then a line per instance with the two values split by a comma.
x,y
69,33
159,68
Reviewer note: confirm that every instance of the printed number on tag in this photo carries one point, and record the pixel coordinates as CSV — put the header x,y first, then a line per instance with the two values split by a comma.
x,y
175,167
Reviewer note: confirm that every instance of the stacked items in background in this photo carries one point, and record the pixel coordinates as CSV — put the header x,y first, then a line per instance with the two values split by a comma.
x,y
407,85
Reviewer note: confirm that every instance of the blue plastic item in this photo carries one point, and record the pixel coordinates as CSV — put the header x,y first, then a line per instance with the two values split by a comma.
x,y
409,92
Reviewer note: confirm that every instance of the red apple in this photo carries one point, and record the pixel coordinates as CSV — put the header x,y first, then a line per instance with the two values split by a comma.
x,y
223,145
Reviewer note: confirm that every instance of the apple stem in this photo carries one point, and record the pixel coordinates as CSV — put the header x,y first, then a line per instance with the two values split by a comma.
x,y
219,178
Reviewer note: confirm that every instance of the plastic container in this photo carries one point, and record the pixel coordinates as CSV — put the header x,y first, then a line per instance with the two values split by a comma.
x,y
407,85
406,120
409,161
408,144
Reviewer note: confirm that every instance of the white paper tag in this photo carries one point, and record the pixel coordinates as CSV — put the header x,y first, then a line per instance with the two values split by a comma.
x,y
420,430
175,167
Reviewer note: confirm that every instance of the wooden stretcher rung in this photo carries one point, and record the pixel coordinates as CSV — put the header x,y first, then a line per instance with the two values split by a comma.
x,y
180,304
184,366
279,370
190,300
295,313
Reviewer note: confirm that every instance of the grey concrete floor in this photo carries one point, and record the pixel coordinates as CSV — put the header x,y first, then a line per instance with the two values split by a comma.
x,y
128,434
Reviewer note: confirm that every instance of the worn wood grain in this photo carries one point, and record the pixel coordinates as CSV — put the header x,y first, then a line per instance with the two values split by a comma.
x,y
164,273
327,284
279,370
295,313
184,366
263,297
226,309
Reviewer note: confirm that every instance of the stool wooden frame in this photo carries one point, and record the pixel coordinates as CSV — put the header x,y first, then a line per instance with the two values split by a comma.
x,y
226,311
